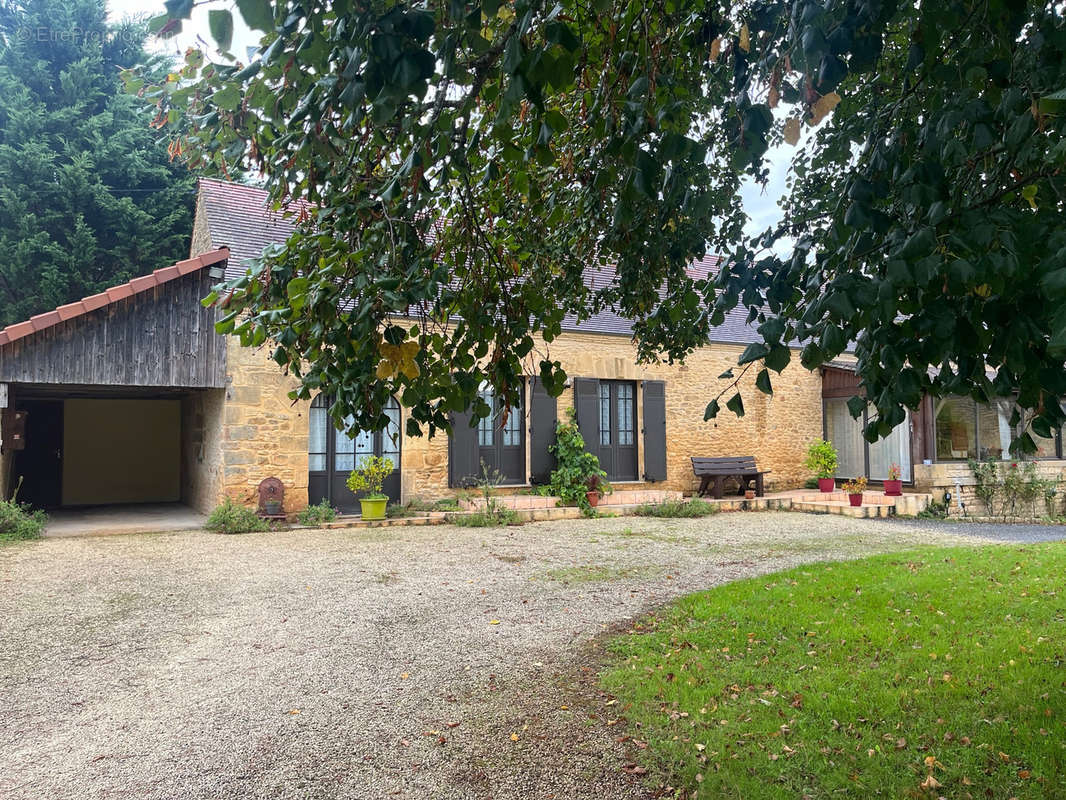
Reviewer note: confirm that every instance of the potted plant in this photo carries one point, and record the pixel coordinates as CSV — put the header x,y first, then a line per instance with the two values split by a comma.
x,y
854,489
893,485
749,492
596,487
369,478
822,461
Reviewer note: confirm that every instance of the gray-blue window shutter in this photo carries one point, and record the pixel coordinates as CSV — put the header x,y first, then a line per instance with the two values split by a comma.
x,y
543,416
587,406
463,465
654,431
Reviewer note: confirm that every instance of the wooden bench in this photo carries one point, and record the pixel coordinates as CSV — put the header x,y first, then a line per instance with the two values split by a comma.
x,y
718,469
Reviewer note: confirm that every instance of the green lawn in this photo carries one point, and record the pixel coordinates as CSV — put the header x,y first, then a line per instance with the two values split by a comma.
x,y
939,673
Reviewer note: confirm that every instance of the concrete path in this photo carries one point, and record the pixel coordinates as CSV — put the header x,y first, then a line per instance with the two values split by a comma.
x,y
104,520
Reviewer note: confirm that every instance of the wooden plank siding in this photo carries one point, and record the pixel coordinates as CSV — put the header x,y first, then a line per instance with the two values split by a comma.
x,y
160,337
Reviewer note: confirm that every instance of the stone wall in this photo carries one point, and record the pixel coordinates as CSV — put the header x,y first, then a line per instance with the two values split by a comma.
x,y
265,433
955,477
202,431
776,430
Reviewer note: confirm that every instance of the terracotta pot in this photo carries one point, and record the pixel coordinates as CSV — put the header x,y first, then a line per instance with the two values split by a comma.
x,y
594,498
749,494
827,485
893,488
374,509
855,499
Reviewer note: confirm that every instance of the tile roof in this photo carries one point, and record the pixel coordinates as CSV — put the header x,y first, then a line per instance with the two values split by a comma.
x,y
240,218
49,318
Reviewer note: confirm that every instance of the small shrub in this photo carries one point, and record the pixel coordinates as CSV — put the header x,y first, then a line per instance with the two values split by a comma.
x,y
318,514
810,483
18,521
370,476
677,508
232,518
487,519
934,510
821,459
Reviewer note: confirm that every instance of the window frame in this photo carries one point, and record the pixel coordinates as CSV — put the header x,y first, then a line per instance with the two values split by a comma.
x,y
1015,430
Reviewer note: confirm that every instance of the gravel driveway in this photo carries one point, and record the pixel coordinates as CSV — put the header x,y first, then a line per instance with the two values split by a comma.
x,y
433,662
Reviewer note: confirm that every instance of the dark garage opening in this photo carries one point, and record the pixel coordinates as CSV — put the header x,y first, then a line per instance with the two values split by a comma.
x,y
90,451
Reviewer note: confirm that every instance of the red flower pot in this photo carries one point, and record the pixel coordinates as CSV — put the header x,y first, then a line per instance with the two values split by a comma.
x,y
594,498
827,485
855,499
893,488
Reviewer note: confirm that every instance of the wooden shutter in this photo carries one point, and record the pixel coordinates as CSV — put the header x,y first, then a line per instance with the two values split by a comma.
x,y
463,462
542,419
587,406
654,431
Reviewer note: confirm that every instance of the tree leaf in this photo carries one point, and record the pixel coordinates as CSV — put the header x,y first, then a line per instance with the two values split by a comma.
x,y
257,14
220,23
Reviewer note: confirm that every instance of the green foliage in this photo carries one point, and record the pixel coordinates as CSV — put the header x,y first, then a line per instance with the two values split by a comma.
x,y
1010,491
923,222
858,679
574,466
821,459
416,507
486,519
18,521
88,194
370,477
317,514
935,510
810,483
677,509
229,517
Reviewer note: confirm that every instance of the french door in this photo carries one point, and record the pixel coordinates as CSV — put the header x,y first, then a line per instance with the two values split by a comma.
x,y
617,449
501,441
332,454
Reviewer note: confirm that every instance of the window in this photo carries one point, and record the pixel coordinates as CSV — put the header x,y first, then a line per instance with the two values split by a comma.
x,y
956,428
845,434
994,431
966,429
390,437
512,428
627,414
856,456
318,435
892,449
605,414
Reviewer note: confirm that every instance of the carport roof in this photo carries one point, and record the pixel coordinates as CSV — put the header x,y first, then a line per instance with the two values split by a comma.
x,y
112,295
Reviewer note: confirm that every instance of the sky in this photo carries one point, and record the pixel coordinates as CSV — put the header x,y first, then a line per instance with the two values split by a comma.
x,y
760,203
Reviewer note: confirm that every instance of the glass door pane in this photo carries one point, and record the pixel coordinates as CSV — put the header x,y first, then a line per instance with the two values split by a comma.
x,y
893,449
390,437
845,434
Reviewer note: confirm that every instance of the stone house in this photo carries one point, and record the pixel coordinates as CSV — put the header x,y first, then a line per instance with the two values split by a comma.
x,y
130,396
